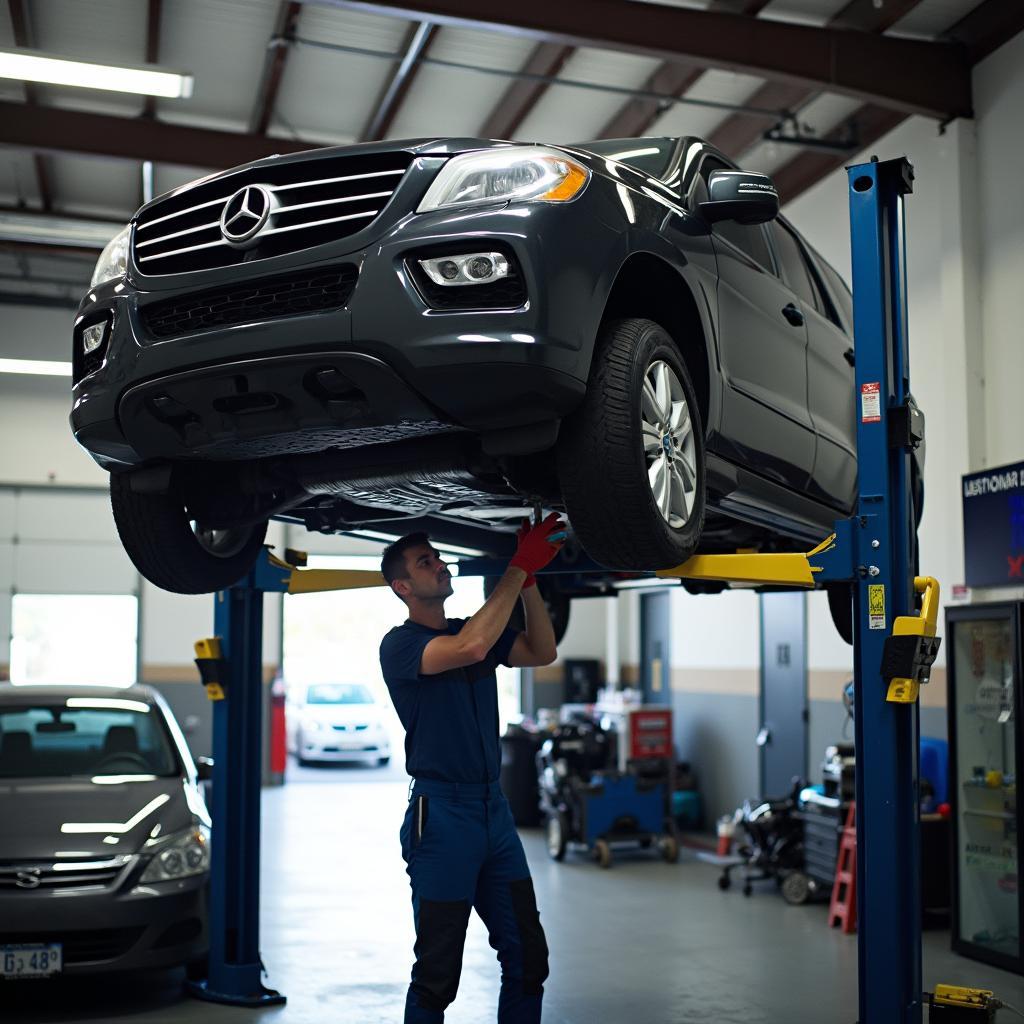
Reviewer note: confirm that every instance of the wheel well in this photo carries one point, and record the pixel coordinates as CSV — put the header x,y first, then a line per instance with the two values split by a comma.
x,y
648,287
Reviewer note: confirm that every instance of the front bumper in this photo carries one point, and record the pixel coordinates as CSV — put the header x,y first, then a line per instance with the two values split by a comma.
x,y
480,370
332,746
161,925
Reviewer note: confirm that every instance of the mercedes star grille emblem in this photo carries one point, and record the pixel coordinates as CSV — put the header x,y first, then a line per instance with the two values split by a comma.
x,y
245,215
28,879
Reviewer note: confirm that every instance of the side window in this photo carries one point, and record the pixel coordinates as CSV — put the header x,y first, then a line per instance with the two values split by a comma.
x,y
794,268
748,238
840,292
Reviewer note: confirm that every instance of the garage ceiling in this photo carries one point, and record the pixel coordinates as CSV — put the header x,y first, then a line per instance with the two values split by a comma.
x,y
274,76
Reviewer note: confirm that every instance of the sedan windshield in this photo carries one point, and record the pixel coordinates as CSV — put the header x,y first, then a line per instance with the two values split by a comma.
x,y
339,693
83,736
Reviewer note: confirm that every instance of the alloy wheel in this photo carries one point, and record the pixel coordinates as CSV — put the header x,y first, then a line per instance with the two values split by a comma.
x,y
670,451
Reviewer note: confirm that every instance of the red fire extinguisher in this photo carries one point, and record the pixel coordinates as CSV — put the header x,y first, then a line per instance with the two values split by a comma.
x,y
278,742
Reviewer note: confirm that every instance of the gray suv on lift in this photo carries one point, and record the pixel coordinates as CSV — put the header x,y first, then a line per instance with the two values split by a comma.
x,y
440,334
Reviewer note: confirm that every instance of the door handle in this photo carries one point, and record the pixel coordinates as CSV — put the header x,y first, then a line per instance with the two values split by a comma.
x,y
764,737
793,315
850,357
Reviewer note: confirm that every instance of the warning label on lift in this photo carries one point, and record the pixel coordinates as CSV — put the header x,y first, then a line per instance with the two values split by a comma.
x,y
871,402
876,606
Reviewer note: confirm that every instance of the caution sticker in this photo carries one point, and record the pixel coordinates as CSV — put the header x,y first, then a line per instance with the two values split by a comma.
x,y
871,402
876,606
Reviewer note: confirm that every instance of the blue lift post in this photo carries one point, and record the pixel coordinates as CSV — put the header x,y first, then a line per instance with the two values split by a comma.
x,y
873,549
886,732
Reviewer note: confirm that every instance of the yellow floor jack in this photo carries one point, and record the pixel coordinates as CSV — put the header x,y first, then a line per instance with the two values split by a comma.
x,y
954,1004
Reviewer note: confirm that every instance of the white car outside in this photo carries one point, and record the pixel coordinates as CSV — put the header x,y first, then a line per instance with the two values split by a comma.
x,y
337,722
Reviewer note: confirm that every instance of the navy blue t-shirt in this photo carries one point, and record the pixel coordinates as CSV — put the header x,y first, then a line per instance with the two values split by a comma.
x,y
450,719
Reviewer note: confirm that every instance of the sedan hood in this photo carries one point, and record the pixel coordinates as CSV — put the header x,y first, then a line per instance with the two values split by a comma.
x,y
46,819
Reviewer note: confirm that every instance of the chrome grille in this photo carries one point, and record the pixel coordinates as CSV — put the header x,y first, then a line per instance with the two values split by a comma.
x,y
312,202
69,874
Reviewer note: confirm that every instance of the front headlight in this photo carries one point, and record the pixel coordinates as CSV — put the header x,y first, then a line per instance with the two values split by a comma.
x,y
179,856
513,173
113,261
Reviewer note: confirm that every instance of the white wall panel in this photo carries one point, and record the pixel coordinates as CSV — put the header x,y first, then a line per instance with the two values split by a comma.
x,y
715,630
51,567
63,517
8,511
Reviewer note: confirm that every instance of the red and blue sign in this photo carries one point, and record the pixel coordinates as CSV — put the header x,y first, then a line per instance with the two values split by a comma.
x,y
994,527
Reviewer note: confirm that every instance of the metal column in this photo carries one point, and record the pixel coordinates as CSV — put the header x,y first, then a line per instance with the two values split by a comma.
x,y
888,889
234,964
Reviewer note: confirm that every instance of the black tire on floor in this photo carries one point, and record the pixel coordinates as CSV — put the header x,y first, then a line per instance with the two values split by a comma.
x,y
602,465
557,835
157,534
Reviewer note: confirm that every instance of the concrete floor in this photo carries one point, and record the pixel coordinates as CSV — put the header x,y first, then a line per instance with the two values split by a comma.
x,y
646,941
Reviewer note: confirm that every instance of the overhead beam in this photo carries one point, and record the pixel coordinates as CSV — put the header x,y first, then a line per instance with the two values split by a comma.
x,y
523,94
981,32
738,132
23,38
987,27
153,17
636,115
930,78
417,40
53,130
274,60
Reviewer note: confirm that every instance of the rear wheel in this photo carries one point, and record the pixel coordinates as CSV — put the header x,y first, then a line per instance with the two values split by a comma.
x,y
631,458
174,552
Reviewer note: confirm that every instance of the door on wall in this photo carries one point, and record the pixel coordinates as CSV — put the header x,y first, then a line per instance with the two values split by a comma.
x,y
782,738
655,649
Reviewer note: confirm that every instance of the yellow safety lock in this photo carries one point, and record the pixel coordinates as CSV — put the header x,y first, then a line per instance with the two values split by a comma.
x,y
213,669
911,649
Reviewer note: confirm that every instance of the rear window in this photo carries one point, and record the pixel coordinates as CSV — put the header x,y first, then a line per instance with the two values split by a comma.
x,y
651,156
338,693
86,736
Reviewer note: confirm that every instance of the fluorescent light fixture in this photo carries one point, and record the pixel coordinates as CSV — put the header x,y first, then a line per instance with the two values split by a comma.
x,y
35,66
45,367
74,232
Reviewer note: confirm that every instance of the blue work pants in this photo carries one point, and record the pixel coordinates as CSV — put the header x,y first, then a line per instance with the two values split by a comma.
x,y
463,852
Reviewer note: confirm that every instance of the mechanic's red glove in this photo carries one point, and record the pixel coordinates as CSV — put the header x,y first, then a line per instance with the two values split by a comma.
x,y
524,529
535,549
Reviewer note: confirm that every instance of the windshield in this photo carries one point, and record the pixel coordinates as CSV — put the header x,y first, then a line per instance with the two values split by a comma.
x,y
83,736
651,156
338,693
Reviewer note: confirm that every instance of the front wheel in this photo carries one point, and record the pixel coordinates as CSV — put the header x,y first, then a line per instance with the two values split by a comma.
x,y
631,457
174,552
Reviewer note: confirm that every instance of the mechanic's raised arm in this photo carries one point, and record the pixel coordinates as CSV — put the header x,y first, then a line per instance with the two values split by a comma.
x,y
536,644
480,633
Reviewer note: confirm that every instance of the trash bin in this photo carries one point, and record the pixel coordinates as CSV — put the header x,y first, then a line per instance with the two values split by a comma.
x,y
519,749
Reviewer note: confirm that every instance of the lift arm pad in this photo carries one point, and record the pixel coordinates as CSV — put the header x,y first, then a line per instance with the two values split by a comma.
x,y
911,650
214,670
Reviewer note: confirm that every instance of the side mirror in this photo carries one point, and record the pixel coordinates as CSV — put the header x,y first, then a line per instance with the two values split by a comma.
x,y
204,768
741,196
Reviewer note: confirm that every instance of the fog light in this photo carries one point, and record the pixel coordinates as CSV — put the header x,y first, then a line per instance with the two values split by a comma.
x,y
473,268
93,337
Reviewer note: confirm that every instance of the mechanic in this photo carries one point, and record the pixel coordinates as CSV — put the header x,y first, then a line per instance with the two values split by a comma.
x,y
459,841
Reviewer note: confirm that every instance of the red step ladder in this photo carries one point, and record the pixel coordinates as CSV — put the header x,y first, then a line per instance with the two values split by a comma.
x,y
843,908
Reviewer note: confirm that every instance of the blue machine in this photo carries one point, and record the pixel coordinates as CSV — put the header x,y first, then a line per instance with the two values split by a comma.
x,y
894,649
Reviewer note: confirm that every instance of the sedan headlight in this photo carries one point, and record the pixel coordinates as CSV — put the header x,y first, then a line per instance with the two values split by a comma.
x,y
512,173
181,855
113,261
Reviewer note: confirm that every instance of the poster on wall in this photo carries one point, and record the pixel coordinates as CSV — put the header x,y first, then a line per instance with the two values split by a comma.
x,y
994,527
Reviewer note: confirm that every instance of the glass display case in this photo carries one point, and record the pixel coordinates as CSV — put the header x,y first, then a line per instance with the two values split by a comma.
x,y
983,669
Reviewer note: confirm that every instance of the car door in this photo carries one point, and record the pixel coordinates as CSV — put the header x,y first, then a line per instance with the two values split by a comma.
x,y
830,393
763,350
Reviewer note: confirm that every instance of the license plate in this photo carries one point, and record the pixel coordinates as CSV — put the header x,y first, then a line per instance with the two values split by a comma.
x,y
31,961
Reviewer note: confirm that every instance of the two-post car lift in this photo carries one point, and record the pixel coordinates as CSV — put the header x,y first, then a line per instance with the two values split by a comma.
x,y
893,651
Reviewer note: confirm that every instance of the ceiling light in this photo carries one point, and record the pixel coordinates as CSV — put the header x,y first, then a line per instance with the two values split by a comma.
x,y
34,66
45,367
